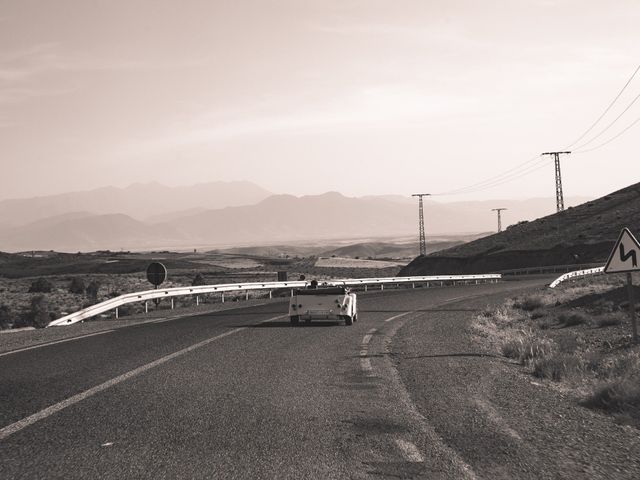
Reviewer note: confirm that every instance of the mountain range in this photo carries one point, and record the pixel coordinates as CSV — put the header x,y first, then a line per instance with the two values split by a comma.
x,y
153,216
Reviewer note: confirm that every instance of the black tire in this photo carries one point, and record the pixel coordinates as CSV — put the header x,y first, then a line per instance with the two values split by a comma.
x,y
348,320
294,319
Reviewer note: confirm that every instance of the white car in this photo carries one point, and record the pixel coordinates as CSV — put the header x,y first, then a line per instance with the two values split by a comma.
x,y
328,303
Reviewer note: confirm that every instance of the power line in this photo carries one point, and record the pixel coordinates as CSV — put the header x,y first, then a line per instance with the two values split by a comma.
x,y
610,125
611,139
605,111
501,179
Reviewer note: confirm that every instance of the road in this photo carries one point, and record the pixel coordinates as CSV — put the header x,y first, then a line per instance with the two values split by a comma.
x,y
240,394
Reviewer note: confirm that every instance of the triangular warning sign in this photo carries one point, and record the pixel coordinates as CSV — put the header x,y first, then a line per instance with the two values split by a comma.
x,y
625,256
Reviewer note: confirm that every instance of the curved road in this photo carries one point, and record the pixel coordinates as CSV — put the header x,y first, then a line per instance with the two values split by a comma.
x,y
233,394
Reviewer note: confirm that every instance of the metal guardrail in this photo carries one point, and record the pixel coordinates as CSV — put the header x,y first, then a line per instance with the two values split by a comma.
x,y
147,295
548,269
576,274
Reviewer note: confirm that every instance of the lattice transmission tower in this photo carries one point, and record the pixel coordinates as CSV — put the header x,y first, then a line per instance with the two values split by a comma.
x,y
559,196
423,241
499,217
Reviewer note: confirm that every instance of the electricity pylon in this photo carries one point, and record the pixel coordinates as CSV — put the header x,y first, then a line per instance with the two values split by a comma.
x,y
423,241
499,217
559,196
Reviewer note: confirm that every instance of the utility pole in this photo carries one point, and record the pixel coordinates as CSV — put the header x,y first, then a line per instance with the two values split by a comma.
x,y
423,241
559,196
499,218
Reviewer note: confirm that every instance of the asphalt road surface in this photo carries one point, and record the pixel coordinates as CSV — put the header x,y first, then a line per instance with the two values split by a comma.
x,y
242,394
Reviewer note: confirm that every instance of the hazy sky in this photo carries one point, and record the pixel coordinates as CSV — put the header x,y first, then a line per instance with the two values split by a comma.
x,y
363,96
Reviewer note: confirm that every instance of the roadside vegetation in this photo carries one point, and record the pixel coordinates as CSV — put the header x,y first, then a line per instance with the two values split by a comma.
x,y
577,338
35,289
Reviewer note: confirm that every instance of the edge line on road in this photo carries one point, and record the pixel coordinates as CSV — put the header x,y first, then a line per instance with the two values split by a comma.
x,y
53,342
47,412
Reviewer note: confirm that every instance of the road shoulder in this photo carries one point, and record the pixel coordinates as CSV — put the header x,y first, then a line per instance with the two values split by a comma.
x,y
496,417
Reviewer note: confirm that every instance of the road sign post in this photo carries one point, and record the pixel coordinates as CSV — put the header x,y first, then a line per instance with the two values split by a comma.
x,y
157,274
624,259
632,307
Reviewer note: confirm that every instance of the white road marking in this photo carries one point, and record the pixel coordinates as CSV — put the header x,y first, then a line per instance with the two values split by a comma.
x,y
365,362
495,417
409,451
39,345
47,412
397,316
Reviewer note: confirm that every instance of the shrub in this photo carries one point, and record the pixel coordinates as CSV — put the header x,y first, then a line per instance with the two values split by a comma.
x,y
526,348
92,290
609,320
538,313
77,286
556,366
198,280
39,315
529,304
41,285
5,317
573,319
621,395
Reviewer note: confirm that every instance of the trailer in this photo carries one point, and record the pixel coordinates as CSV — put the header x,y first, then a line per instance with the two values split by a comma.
x,y
324,303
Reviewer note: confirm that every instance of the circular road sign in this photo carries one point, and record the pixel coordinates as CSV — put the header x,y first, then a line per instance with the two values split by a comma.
x,y
156,273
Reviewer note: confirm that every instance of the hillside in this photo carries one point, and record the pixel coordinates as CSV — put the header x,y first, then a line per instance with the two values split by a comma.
x,y
330,217
582,234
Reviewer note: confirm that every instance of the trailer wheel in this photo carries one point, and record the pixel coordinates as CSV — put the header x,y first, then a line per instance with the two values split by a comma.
x,y
348,320
294,319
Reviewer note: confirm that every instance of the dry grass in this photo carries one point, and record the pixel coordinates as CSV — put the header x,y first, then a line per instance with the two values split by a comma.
x,y
578,338
571,319
556,366
619,392
530,303
526,347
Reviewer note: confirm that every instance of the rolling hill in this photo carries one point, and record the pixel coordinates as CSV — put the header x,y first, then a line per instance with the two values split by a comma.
x,y
582,234
139,201
324,219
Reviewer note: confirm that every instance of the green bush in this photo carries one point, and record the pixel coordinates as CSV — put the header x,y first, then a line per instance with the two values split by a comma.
x,y
198,280
41,285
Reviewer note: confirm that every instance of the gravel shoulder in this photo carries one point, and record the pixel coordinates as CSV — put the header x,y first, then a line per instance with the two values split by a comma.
x,y
501,421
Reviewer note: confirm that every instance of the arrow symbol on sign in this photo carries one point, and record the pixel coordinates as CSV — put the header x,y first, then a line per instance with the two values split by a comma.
x,y
624,257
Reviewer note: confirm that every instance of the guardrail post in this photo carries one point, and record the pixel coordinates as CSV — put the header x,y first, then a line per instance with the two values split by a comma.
x,y
171,303
222,297
146,307
382,286
413,285
270,294
365,288
292,292
197,300
117,313
246,297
